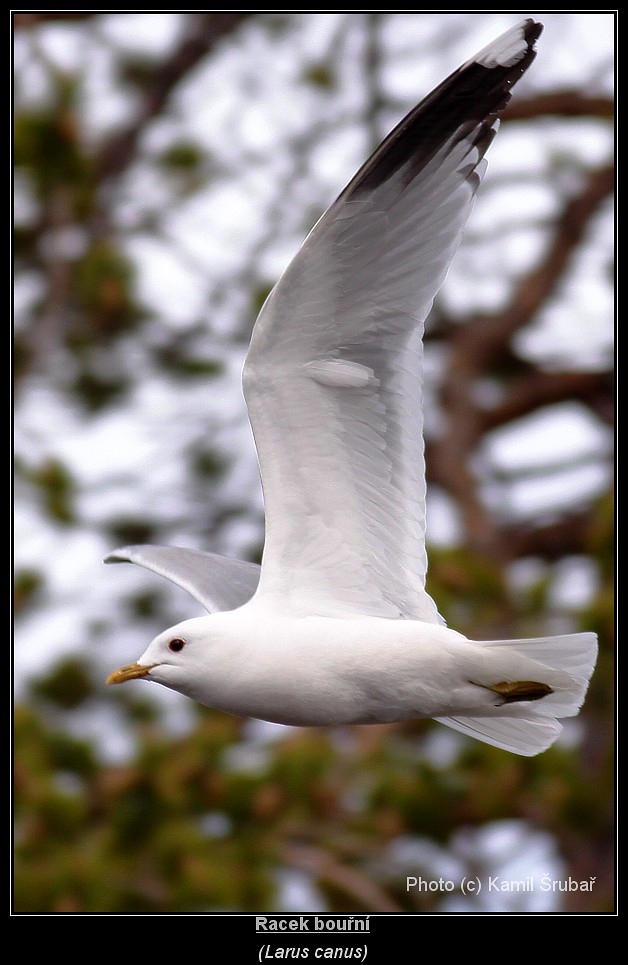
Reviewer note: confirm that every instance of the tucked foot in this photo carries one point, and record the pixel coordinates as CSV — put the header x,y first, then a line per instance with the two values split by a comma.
x,y
517,690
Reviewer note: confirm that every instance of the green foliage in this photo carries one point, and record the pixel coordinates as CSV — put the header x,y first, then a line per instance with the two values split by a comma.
x,y
53,487
601,535
471,590
142,606
183,366
180,828
259,296
182,156
96,392
125,532
47,147
320,75
103,279
137,71
207,463
68,684
26,586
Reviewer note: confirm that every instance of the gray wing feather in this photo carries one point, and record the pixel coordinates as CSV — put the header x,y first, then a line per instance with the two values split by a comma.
x,y
217,582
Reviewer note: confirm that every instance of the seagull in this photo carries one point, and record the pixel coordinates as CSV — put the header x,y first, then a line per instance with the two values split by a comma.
x,y
336,627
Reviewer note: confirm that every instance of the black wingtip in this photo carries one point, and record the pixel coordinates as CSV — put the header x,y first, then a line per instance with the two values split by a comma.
x,y
514,48
473,95
532,31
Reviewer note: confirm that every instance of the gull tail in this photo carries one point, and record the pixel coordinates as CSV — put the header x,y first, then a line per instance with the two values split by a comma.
x,y
545,679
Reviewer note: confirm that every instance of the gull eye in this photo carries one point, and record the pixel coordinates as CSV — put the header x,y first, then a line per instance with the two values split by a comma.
x,y
176,645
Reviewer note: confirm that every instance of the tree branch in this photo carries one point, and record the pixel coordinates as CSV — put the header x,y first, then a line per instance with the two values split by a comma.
x,y
552,542
538,389
562,103
208,30
476,346
29,20
486,338
322,865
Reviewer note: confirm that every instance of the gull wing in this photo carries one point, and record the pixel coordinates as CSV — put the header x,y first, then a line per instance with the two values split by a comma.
x,y
333,375
217,582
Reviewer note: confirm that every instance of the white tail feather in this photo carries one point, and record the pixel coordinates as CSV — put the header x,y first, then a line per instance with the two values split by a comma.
x,y
575,653
520,735
528,727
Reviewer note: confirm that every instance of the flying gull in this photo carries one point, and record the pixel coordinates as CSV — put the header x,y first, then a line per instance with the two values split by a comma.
x,y
336,627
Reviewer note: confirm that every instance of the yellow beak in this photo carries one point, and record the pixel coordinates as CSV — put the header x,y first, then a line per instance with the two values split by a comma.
x,y
130,672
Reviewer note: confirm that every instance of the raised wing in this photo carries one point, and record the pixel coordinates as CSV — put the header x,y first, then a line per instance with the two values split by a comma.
x,y
217,582
333,376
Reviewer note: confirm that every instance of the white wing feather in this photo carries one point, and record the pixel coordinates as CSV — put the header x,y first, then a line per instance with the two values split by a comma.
x,y
333,376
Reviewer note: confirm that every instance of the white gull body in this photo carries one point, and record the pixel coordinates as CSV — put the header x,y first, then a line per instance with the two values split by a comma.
x,y
336,626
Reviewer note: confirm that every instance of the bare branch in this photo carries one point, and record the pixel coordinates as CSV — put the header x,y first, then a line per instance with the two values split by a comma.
x,y
552,542
562,103
488,337
29,20
476,346
537,389
322,865
208,29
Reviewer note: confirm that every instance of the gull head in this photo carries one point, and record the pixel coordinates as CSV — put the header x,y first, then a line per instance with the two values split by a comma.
x,y
174,658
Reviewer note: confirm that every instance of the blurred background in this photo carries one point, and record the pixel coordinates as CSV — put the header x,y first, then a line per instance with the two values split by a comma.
x,y
167,167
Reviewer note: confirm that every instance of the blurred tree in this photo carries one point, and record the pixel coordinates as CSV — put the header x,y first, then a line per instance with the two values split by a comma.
x,y
167,166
